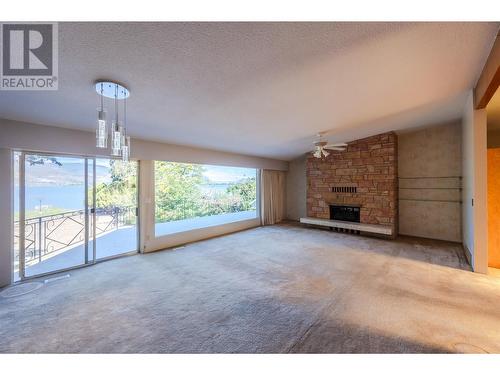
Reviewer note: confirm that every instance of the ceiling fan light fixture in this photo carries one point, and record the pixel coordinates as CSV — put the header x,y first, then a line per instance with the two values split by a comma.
x,y
322,145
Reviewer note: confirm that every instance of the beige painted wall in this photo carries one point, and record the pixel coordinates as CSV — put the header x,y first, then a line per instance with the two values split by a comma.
x,y
430,169
296,189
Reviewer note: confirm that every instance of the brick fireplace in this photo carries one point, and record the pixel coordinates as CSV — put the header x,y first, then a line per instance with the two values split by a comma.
x,y
364,176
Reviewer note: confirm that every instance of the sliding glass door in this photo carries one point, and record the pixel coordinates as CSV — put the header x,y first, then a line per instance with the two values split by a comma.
x,y
53,206
116,229
73,211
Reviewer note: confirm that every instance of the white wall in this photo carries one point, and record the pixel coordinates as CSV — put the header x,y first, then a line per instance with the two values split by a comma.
x,y
296,189
6,217
474,185
467,177
33,137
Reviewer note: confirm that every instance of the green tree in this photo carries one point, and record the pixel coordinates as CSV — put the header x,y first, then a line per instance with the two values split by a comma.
x,y
246,190
177,190
121,190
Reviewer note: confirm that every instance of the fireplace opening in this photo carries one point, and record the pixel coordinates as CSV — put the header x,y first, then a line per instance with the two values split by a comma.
x,y
345,213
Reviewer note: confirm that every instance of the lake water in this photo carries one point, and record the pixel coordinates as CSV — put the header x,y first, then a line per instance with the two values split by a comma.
x,y
72,197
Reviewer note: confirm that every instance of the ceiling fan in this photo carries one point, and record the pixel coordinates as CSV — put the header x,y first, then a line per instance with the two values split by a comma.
x,y
321,145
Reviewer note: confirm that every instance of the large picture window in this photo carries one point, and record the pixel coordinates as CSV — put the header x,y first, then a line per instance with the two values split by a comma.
x,y
192,196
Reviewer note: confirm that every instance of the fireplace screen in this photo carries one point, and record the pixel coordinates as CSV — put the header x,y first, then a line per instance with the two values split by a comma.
x,y
345,213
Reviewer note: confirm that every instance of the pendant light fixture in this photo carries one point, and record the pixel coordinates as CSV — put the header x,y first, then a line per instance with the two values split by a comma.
x,y
102,130
125,138
116,130
120,141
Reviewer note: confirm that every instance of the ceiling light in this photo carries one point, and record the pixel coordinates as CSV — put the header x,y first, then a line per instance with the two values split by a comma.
x,y
321,146
120,141
101,131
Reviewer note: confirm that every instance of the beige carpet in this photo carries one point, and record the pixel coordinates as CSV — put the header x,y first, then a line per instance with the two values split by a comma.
x,y
274,289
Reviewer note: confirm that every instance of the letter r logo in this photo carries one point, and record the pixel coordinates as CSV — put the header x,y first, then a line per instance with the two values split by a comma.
x,y
27,49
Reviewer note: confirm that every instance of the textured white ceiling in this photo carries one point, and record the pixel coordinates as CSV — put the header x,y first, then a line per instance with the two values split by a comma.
x,y
262,88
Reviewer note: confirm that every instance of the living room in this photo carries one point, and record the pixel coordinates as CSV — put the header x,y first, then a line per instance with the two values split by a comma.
x,y
249,187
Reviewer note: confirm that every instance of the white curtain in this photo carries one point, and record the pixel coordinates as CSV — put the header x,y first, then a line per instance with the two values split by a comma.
x,y
272,196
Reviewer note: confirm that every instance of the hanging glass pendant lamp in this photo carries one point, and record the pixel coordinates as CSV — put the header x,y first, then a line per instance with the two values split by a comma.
x,y
116,139
102,130
120,142
125,140
116,132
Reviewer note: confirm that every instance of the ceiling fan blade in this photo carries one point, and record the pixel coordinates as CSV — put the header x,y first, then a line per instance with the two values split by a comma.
x,y
334,148
336,145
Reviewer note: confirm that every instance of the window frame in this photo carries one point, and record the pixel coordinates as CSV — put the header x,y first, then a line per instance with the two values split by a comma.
x,y
257,217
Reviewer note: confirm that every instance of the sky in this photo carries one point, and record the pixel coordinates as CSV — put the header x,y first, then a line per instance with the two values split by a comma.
x,y
212,172
73,168
227,174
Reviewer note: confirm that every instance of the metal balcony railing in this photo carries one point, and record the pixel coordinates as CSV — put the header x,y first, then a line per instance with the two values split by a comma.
x,y
45,235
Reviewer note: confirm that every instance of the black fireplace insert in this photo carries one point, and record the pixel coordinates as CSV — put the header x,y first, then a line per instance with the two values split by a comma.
x,y
345,213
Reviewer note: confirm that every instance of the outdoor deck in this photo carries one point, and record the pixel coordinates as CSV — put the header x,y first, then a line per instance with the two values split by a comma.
x,y
123,240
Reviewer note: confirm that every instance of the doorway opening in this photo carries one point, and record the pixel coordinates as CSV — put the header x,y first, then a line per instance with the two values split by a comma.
x,y
493,140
